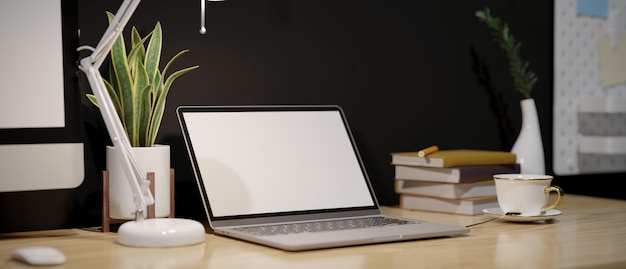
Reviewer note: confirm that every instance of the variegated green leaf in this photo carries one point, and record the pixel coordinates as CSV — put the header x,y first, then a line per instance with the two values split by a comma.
x,y
160,105
113,81
137,45
153,53
93,99
114,96
156,97
140,105
174,76
169,63
138,51
137,87
119,62
158,87
145,113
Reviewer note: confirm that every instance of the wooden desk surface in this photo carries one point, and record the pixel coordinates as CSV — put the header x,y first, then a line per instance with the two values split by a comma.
x,y
590,233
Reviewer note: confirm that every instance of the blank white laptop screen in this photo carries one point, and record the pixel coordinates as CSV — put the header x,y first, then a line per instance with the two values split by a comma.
x,y
295,156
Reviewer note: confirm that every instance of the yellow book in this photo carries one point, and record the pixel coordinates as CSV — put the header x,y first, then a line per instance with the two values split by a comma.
x,y
453,157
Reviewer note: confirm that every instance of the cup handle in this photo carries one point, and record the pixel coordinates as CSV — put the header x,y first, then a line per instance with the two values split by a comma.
x,y
559,198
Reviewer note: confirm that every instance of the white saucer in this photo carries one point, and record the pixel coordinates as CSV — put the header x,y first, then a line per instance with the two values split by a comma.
x,y
496,212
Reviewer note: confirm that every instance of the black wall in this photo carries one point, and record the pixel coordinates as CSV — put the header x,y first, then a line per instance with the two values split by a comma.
x,y
404,72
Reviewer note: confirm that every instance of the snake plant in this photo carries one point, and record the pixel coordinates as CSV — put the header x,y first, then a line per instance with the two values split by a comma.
x,y
137,87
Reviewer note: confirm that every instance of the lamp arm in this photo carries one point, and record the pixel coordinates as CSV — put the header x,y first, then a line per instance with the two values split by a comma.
x,y
90,66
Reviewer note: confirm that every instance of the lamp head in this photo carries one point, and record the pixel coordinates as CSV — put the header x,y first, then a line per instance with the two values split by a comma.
x,y
202,12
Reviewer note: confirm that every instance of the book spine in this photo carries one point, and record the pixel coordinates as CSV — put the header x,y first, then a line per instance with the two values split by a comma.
x,y
461,174
457,206
446,190
415,161
454,161
431,174
482,172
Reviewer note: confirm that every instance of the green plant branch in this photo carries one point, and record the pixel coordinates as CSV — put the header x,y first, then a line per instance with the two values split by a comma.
x,y
523,78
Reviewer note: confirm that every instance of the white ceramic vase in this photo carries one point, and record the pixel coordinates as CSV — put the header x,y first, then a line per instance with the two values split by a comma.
x,y
152,159
529,147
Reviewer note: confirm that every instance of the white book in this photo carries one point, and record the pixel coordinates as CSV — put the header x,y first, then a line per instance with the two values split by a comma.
x,y
446,190
459,174
469,206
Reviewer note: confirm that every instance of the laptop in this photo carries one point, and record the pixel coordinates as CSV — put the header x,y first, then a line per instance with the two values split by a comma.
x,y
289,177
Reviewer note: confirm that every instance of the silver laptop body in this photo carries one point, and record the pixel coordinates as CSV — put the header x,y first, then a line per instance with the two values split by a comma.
x,y
289,177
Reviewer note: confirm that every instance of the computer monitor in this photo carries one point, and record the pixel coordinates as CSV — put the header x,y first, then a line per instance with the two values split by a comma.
x,y
41,146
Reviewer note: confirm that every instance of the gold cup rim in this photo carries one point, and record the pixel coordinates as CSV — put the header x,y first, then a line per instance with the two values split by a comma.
x,y
522,177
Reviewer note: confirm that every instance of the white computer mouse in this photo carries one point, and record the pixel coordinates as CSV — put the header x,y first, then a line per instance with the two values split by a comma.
x,y
39,255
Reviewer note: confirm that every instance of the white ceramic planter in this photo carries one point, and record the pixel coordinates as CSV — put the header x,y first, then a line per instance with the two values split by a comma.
x,y
152,159
529,147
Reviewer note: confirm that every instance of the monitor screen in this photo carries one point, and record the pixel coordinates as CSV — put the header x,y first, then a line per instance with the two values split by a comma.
x,y
41,144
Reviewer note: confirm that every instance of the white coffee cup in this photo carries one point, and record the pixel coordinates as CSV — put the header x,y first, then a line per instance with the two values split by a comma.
x,y
526,194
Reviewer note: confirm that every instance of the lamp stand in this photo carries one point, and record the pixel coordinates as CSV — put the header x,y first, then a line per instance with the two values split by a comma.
x,y
107,221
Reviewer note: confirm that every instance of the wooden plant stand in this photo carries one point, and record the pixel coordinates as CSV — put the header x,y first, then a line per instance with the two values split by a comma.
x,y
107,221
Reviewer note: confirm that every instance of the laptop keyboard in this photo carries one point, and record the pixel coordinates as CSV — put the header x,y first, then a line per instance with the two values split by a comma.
x,y
319,226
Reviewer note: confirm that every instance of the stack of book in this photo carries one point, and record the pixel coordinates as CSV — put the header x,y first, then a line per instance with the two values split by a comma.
x,y
453,181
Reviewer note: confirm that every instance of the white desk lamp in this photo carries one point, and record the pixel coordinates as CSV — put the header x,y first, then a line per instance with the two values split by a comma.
x,y
159,232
